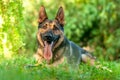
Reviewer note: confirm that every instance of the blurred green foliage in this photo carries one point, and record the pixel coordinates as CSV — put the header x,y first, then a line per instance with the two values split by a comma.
x,y
93,23
11,27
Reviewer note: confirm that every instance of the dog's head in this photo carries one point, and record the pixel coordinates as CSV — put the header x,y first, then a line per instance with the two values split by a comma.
x,y
50,32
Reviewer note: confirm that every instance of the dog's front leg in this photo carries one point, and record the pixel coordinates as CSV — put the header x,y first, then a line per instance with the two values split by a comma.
x,y
38,58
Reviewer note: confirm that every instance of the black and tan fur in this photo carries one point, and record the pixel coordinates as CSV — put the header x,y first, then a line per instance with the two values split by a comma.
x,y
62,48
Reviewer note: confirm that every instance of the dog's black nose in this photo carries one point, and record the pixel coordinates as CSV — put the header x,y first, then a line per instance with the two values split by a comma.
x,y
48,37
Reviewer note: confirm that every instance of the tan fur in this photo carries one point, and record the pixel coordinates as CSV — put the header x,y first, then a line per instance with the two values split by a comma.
x,y
39,38
59,41
88,59
60,61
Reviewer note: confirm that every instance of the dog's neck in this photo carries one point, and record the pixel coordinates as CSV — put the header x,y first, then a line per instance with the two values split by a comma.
x,y
58,52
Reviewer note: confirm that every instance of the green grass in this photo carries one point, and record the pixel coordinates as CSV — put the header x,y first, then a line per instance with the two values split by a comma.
x,y
15,69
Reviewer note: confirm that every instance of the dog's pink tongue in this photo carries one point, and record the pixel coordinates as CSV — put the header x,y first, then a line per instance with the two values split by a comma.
x,y
48,51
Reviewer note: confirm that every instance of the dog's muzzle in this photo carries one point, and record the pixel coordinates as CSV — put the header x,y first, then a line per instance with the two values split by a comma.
x,y
49,40
48,37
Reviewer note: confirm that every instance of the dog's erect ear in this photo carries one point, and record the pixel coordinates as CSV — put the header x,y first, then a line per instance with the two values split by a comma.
x,y
42,14
60,16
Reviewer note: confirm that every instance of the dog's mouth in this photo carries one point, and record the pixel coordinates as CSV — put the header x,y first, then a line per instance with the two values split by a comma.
x,y
48,48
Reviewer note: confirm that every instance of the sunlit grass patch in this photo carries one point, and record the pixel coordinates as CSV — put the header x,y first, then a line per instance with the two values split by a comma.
x,y
15,69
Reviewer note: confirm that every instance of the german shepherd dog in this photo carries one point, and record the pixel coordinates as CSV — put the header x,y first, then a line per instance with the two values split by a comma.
x,y
53,46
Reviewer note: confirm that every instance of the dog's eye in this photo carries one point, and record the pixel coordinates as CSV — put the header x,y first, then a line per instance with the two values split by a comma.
x,y
44,26
55,28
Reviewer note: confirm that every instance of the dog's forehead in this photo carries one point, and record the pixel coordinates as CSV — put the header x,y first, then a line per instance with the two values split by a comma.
x,y
50,22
